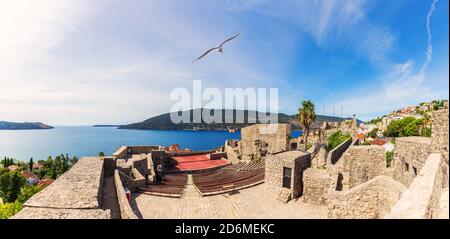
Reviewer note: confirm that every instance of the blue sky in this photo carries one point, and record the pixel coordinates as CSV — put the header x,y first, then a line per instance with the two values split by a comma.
x,y
106,61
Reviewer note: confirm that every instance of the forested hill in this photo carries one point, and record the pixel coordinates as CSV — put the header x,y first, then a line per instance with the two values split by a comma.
x,y
163,122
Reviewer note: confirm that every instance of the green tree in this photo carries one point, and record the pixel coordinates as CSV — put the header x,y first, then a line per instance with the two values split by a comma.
x,y
101,154
306,116
6,162
408,126
73,161
396,127
27,192
16,182
413,128
30,164
10,185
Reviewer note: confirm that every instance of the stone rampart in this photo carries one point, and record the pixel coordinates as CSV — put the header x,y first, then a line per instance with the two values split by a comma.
x,y
125,209
335,154
364,163
423,195
272,137
294,161
75,194
316,186
410,155
369,200
439,139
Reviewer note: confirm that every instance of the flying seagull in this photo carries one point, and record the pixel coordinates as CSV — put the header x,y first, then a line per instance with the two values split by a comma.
x,y
218,48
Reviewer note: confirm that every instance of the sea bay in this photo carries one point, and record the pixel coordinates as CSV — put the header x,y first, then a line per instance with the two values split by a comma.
x,y
89,141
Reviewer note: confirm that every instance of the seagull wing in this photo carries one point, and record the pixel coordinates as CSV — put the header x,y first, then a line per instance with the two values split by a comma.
x,y
206,53
229,39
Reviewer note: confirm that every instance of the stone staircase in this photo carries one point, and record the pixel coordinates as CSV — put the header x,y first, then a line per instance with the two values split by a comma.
x,y
190,192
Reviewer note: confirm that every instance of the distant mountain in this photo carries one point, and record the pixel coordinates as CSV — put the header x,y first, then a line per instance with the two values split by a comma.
x,y
22,126
163,122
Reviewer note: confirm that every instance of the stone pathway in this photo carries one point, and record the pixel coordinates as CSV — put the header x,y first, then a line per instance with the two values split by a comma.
x,y
109,199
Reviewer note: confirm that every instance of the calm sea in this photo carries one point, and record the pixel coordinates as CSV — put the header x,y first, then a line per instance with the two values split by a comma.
x,y
85,140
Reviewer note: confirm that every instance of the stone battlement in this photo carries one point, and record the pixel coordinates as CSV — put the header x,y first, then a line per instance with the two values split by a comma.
x,y
75,194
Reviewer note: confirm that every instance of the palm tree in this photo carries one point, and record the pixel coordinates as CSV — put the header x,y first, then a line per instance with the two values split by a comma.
x,y
306,116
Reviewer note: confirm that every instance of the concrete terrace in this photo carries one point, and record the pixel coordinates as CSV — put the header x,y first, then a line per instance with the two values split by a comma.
x,y
254,202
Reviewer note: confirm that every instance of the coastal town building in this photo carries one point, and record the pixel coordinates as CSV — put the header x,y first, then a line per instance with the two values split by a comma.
x,y
31,178
13,168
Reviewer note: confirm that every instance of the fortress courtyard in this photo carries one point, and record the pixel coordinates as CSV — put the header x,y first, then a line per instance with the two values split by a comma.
x,y
253,202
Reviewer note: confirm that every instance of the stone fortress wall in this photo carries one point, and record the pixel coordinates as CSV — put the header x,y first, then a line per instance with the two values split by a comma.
x,y
363,163
296,161
276,136
439,140
356,185
124,151
124,206
78,193
335,154
428,194
369,200
421,199
316,185
410,155
359,187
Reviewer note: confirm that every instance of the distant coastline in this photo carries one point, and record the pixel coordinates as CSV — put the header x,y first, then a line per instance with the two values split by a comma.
x,y
4,125
107,125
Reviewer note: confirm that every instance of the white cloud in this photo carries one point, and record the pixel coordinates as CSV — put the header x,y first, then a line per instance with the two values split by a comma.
x,y
331,23
79,62
86,62
401,84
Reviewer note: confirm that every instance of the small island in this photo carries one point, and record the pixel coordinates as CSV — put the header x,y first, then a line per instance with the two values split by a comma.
x,y
4,125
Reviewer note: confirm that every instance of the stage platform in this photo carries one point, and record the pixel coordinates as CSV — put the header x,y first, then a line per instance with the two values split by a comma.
x,y
197,162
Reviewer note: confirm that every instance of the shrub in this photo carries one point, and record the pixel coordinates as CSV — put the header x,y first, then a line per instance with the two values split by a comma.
x,y
8,210
365,143
389,157
425,132
373,133
336,139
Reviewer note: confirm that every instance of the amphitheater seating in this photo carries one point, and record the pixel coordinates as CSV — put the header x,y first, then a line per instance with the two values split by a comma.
x,y
211,182
229,178
247,166
172,186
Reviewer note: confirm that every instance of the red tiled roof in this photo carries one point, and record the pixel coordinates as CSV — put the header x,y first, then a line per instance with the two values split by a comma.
x,y
37,166
361,136
379,142
45,182
13,167
29,175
